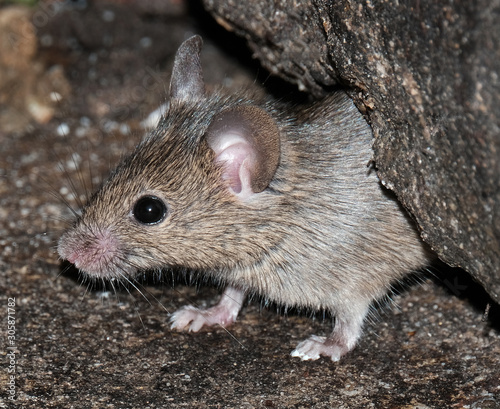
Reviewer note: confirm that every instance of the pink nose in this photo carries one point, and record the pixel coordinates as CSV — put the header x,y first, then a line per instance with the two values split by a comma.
x,y
95,253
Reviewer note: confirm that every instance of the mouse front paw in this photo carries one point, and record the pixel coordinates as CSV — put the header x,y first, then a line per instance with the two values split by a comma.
x,y
312,348
188,318
192,319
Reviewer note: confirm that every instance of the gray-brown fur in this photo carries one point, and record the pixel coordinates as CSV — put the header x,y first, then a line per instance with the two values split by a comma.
x,y
324,234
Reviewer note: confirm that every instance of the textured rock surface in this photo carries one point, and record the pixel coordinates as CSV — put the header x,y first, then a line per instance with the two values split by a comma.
x,y
82,348
425,74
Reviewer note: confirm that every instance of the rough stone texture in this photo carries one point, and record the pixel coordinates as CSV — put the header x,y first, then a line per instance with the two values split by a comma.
x,y
425,74
87,348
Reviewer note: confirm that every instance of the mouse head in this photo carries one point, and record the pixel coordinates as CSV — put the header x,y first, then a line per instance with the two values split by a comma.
x,y
195,192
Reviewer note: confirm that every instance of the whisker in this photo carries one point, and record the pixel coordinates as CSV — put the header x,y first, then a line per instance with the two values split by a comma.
x,y
64,270
67,176
56,194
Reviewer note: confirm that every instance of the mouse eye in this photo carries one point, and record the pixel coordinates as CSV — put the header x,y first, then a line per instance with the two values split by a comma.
x,y
149,210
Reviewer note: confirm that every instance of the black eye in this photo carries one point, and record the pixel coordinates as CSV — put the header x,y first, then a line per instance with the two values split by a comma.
x,y
150,210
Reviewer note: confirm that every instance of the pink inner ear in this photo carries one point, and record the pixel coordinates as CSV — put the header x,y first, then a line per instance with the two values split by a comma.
x,y
237,158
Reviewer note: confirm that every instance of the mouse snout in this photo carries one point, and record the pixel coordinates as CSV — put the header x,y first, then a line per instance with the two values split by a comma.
x,y
95,253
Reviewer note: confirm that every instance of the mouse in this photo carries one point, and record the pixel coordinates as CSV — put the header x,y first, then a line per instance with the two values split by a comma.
x,y
264,198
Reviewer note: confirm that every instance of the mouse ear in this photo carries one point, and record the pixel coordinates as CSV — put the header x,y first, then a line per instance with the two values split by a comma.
x,y
187,83
246,143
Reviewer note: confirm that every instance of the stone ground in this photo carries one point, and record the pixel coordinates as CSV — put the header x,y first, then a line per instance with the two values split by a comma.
x,y
93,82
